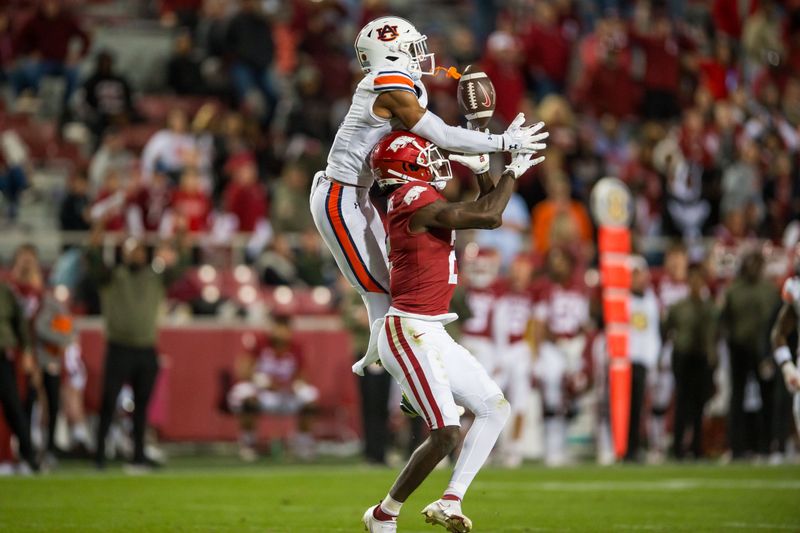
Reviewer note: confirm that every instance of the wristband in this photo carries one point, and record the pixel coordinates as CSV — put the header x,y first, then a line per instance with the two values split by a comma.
x,y
783,355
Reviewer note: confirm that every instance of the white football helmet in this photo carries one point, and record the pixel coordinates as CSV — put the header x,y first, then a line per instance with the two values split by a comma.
x,y
393,41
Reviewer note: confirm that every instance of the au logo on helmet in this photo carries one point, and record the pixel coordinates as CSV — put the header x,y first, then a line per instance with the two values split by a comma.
x,y
387,33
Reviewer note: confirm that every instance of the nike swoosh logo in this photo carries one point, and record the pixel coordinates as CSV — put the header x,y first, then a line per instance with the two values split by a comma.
x,y
418,335
487,99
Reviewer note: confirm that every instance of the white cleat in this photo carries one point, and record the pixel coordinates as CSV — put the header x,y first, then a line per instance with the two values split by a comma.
x,y
373,525
447,513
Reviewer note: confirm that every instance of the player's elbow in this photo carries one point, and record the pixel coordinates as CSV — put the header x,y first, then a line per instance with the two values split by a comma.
x,y
494,221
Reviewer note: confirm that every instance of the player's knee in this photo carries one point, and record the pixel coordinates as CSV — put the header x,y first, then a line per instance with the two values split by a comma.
x,y
445,439
500,409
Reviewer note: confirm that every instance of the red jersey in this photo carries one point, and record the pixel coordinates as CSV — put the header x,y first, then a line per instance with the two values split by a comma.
x,y
670,291
422,266
281,366
513,312
481,303
564,309
194,206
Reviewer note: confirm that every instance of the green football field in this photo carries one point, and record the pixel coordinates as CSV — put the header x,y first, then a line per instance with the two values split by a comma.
x,y
267,498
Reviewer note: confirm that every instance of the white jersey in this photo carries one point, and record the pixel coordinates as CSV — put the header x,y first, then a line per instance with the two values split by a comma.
x,y
645,338
361,128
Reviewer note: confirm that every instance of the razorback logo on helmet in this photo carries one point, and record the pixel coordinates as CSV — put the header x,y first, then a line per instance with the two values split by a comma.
x,y
412,194
387,33
400,142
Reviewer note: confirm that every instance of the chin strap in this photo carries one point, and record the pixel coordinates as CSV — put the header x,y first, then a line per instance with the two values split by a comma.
x,y
450,72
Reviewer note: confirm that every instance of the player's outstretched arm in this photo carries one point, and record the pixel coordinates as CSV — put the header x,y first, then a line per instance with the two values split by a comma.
x,y
484,213
404,106
784,325
479,165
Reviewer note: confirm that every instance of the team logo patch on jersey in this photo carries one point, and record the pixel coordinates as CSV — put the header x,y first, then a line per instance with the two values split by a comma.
x,y
413,193
387,33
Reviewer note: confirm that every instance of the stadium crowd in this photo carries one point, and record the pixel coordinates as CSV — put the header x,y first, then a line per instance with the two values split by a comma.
x,y
694,105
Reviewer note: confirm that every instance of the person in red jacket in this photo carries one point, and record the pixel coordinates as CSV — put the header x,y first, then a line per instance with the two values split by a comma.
x,y
191,203
245,197
502,64
548,49
44,42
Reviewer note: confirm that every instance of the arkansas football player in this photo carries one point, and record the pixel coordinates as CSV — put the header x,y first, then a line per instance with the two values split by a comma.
x,y
432,369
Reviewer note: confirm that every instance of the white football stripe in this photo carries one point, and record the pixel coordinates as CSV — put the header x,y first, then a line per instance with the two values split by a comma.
x,y
479,114
474,75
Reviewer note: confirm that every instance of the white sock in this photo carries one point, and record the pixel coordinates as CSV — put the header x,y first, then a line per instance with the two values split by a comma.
x,y
391,506
555,440
478,443
81,434
656,432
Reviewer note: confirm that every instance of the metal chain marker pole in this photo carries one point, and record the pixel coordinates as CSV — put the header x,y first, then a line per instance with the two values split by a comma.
x,y
612,208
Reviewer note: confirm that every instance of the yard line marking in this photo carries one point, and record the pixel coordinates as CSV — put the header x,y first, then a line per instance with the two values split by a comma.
x,y
663,485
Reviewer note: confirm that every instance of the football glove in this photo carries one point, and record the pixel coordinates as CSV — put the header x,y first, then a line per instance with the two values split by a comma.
x,y
525,138
521,162
478,163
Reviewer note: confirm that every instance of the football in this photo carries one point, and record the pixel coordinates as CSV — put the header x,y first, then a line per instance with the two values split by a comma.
x,y
476,97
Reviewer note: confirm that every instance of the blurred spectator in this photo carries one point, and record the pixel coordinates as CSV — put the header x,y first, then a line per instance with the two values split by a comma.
x,y
548,49
190,203
6,45
290,210
53,334
15,339
184,69
560,323
111,202
310,113
270,380
13,181
720,74
644,346
662,55
74,212
245,197
606,84
277,264
691,325
108,97
503,65
729,16
250,45
646,185
170,149
508,239
44,42
741,182
559,220
179,12
111,156
314,267
131,294
749,307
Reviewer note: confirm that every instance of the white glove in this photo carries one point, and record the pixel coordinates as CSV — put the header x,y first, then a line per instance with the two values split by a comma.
x,y
521,162
517,137
478,163
791,377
